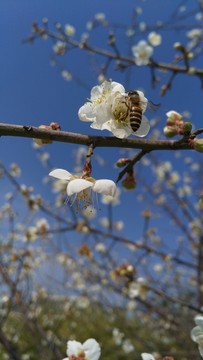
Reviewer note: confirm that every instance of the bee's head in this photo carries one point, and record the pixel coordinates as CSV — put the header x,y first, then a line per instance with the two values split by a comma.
x,y
132,92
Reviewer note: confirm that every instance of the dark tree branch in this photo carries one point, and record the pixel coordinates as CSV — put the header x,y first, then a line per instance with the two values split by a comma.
x,y
97,141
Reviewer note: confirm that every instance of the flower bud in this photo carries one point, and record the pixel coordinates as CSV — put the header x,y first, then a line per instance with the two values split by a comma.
x,y
55,126
170,122
122,162
129,182
198,145
169,131
42,142
174,115
178,46
187,127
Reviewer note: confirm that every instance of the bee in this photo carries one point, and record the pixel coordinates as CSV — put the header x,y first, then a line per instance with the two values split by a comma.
x,y
135,108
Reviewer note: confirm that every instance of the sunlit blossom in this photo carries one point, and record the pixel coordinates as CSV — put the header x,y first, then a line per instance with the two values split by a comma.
x,y
42,226
104,221
138,288
113,201
15,170
119,225
154,38
59,47
146,356
127,346
142,52
117,336
66,75
30,234
197,333
130,32
142,26
89,212
100,247
89,350
82,189
69,30
107,109
100,17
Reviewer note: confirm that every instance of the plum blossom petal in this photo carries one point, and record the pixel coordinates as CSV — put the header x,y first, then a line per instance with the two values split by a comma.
x,y
75,186
92,349
142,52
74,347
199,321
89,350
146,356
105,186
154,38
61,174
144,127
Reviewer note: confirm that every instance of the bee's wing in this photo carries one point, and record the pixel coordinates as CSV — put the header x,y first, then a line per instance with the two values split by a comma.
x,y
144,127
152,107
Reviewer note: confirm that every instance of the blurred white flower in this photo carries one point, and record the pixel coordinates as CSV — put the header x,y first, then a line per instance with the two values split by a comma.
x,y
89,212
130,32
89,25
138,288
117,336
100,247
154,38
109,200
196,34
100,17
138,10
119,225
66,75
142,52
142,26
158,268
42,226
89,350
127,346
82,189
104,222
30,234
59,47
69,30
107,110
185,190
131,305
15,170
146,356
197,333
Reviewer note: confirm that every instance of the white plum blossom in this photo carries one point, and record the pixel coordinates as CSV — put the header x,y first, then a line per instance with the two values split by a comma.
x,y
142,26
107,109
66,75
154,38
142,52
69,30
59,47
197,333
89,350
82,188
146,356
196,36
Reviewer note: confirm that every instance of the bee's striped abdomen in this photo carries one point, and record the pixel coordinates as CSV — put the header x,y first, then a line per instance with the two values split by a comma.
x,y
135,117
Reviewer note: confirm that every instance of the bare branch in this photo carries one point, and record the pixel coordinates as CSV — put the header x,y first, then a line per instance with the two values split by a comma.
x,y
97,141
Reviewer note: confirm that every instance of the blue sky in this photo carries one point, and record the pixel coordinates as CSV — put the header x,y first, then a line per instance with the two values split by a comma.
x,y
33,92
